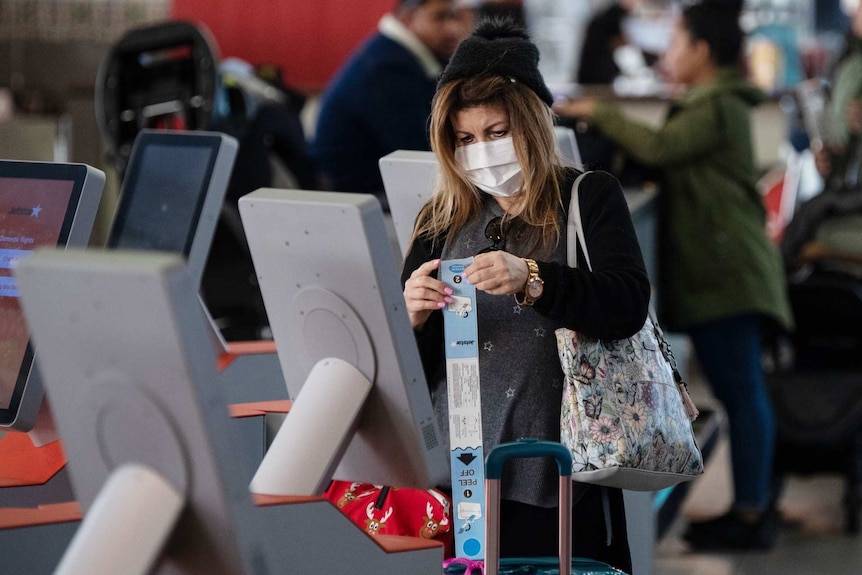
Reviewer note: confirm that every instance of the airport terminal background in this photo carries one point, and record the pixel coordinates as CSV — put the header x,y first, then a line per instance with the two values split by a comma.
x,y
50,53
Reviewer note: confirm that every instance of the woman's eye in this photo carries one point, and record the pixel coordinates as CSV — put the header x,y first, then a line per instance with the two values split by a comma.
x,y
498,133
465,139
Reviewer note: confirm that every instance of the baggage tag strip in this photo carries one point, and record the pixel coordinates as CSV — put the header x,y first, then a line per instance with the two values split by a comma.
x,y
466,454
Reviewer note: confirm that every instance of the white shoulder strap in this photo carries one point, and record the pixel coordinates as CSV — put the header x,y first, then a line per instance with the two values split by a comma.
x,y
575,229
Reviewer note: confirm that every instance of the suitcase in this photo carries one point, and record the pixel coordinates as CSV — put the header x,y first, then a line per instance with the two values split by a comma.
x,y
564,564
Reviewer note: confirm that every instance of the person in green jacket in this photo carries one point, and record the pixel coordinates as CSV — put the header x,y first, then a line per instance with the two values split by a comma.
x,y
722,280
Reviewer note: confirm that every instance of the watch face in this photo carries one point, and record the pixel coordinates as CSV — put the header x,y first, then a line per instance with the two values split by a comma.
x,y
535,288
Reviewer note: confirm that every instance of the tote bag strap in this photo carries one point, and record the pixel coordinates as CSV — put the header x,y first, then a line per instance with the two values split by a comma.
x,y
575,233
575,229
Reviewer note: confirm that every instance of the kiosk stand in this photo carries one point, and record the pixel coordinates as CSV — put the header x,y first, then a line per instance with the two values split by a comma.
x,y
128,359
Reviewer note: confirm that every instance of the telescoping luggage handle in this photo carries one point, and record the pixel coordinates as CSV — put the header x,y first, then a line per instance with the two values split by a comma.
x,y
493,473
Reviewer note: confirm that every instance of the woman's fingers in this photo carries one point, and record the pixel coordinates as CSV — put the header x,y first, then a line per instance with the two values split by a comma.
x,y
421,286
497,273
424,294
426,269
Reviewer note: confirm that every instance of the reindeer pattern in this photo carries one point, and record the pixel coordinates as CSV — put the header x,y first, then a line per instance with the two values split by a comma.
x,y
430,526
386,510
373,525
350,495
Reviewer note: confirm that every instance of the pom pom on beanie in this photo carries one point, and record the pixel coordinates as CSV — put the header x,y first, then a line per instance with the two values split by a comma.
x,y
498,47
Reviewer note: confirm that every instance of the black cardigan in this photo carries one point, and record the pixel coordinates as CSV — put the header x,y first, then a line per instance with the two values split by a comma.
x,y
609,303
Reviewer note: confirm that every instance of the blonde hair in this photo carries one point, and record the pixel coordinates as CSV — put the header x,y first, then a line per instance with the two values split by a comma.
x,y
456,201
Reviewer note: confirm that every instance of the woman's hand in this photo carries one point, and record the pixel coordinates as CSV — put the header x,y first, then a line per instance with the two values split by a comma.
x,y
576,108
497,273
424,294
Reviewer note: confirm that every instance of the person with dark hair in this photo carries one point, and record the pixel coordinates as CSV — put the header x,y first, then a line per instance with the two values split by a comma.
x,y
721,279
604,34
492,131
380,99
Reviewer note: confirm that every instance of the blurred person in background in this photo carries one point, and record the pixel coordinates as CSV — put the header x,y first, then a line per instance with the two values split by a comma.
x,y
844,113
832,218
722,280
379,100
604,36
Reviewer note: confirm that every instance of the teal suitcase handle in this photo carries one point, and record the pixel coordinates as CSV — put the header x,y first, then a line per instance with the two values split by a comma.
x,y
493,472
528,447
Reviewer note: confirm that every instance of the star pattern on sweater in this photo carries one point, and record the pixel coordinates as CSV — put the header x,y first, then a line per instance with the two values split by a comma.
x,y
488,346
468,244
517,309
540,332
510,393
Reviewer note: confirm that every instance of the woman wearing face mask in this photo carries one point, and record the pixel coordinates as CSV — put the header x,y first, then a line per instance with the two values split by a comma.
x,y
722,280
502,195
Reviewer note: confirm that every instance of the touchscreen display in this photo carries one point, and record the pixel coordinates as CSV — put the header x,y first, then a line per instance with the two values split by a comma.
x,y
162,198
32,214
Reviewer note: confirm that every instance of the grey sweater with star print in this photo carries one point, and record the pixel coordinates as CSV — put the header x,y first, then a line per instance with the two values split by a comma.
x,y
519,370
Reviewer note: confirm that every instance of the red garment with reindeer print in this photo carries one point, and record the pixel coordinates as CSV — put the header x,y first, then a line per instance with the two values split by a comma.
x,y
395,510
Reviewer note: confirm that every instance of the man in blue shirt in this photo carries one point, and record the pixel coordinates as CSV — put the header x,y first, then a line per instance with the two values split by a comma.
x,y
379,100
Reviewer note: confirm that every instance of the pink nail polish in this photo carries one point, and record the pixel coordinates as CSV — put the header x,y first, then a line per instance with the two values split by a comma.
x,y
441,304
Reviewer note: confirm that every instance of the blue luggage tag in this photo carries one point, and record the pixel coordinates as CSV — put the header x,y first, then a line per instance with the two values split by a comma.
x,y
466,454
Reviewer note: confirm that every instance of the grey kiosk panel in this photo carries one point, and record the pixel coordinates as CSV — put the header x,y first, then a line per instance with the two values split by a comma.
x,y
330,286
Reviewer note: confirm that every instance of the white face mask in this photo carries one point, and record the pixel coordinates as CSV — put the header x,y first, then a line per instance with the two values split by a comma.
x,y
492,166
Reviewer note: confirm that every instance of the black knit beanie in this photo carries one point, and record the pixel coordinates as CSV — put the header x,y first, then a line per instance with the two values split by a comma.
x,y
498,47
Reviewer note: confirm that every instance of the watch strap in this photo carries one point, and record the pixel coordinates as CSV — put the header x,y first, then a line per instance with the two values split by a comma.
x,y
523,297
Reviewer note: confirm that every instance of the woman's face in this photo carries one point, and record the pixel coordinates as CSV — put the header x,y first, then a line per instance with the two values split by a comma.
x,y
685,57
480,124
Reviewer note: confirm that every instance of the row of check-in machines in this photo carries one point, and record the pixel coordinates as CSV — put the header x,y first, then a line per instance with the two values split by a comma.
x,y
120,344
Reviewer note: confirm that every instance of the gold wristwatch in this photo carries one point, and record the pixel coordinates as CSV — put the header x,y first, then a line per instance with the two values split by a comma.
x,y
533,288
